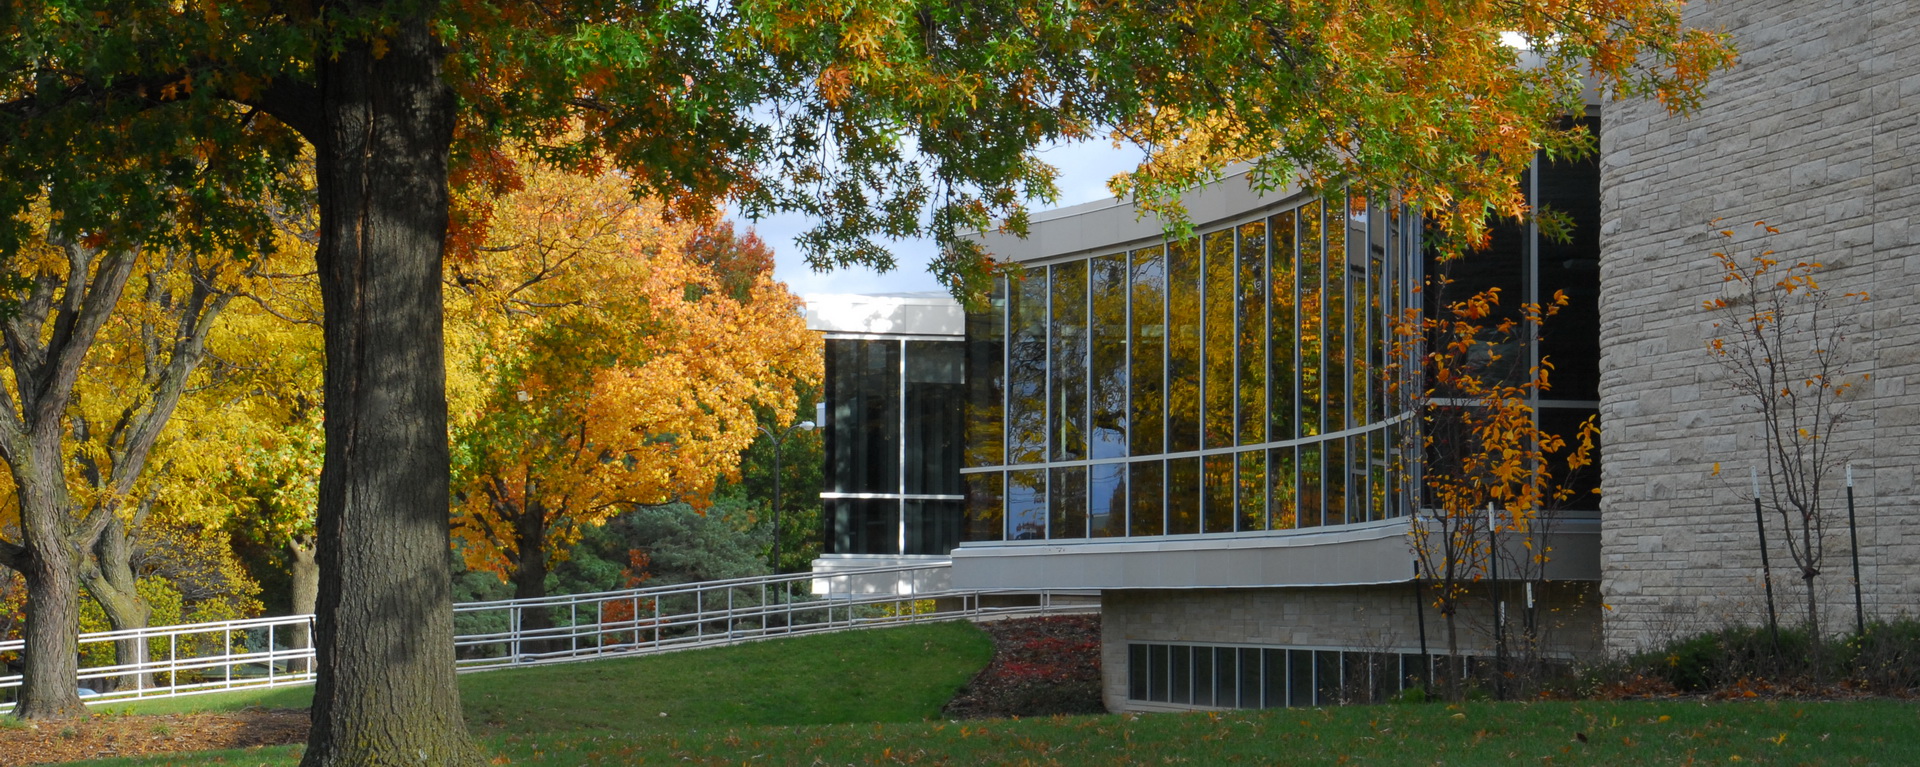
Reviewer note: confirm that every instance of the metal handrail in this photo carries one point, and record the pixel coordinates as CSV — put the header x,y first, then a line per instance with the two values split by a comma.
x,y
261,652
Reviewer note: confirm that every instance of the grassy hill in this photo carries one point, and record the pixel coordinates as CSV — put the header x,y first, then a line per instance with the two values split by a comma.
x,y
873,698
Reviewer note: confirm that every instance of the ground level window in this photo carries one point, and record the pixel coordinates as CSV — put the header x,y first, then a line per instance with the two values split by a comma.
x,y
1214,676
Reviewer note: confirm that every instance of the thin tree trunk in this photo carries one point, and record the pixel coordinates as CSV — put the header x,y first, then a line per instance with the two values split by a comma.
x,y
1813,607
306,592
111,582
1453,687
386,692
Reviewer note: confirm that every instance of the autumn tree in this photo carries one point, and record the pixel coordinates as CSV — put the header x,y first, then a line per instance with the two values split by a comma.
x,y
876,118
181,572
132,389
94,383
1485,464
262,409
619,359
1786,355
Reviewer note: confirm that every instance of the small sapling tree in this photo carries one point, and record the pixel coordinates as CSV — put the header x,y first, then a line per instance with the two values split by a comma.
x,y
1485,460
1785,352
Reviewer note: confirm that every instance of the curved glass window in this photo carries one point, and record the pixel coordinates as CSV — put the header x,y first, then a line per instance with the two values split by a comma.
x,y
1237,381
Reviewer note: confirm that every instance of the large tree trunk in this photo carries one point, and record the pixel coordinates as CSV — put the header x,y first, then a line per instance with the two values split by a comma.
x,y
45,366
386,692
306,592
111,582
51,566
530,577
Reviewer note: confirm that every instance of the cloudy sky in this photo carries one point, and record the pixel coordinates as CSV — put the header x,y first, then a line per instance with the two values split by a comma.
x,y
1084,170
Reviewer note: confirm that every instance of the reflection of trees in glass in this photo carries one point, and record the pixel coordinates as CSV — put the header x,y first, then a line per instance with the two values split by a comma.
x,y
1108,382
986,381
1252,334
1183,346
1027,370
1310,324
1333,372
1252,487
986,507
1333,489
1377,473
1107,500
1067,503
1311,502
1380,241
1283,513
1217,485
1360,320
1218,296
1282,297
1183,495
1268,331
1026,504
1067,416
1148,271
1147,516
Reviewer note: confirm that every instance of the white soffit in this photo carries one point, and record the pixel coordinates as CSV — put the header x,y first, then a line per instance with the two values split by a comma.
x,y
901,314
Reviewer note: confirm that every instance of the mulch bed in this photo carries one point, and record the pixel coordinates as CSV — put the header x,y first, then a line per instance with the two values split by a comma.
x,y
100,736
1040,667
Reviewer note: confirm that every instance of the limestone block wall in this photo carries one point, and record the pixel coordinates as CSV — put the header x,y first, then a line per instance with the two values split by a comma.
x,y
1368,619
1817,132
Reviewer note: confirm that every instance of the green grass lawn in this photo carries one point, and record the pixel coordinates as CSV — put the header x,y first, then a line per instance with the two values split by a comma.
x,y
873,697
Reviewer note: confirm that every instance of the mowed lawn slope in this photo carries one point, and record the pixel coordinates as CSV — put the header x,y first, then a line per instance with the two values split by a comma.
x,y
872,698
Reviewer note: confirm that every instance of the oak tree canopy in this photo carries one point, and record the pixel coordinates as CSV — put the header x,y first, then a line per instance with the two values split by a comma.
x,y
138,121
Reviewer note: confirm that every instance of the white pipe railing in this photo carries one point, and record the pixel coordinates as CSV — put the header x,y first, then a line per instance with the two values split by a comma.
x,y
262,652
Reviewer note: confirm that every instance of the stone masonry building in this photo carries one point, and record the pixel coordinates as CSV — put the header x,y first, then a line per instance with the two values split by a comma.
x,y
1817,132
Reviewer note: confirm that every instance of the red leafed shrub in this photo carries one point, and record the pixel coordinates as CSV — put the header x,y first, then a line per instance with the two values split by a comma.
x,y
1040,667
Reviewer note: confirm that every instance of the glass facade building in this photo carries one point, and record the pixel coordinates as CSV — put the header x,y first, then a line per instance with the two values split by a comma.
x,y
1234,382
1244,380
892,425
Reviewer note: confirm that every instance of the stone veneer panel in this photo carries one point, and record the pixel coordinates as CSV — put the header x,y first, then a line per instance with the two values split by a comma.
x,y
1369,618
1817,132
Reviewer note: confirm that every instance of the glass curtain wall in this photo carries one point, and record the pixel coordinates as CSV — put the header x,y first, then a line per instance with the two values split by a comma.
x,y
895,489
1228,383
1240,380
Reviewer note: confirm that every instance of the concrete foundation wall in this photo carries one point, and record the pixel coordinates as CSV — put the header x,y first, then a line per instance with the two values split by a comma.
x,y
1368,619
1816,133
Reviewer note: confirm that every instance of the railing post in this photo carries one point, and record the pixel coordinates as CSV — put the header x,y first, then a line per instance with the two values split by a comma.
x,y
513,633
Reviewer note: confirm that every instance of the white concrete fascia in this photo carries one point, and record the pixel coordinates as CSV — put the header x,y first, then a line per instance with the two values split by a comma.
x,y
1362,554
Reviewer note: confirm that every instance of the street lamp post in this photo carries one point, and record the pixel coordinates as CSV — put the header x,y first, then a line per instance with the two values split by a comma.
x,y
779,440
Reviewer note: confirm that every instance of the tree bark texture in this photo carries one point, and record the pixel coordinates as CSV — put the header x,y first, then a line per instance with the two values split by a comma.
x,y
111,581
386,692
306,591
530,575
51,567
45,342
